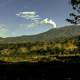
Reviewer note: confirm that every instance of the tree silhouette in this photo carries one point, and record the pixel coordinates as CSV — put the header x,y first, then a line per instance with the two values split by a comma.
x,y
76,14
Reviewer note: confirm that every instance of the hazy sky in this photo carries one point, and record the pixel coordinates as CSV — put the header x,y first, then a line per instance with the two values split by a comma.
x,y
17,16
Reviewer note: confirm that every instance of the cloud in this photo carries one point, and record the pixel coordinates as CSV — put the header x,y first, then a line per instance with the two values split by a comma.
x,y
36,20
29,15
4,32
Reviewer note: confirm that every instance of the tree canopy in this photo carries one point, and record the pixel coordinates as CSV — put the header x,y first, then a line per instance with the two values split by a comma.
x,y
74,16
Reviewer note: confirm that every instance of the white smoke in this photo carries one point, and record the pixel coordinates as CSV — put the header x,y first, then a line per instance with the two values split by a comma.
x,y
48,22
33,16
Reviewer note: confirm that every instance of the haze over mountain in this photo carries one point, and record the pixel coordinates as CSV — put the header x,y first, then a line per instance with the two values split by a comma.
x,y
55,34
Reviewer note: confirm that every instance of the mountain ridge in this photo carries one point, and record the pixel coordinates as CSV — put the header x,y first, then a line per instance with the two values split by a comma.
x,y
55,34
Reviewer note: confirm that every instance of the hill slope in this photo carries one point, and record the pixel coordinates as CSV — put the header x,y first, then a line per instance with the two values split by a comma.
x,y
51,35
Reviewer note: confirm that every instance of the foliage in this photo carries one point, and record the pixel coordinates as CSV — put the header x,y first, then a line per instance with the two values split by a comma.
x,y
76,14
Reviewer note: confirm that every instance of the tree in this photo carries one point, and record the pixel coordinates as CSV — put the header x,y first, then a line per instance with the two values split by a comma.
x,y
76,14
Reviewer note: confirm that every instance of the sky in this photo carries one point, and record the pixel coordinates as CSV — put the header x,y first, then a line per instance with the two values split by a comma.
x,y
30,17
